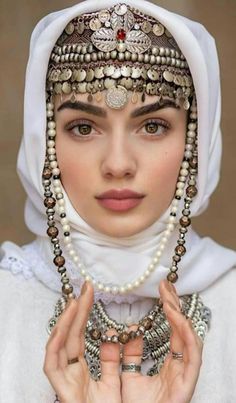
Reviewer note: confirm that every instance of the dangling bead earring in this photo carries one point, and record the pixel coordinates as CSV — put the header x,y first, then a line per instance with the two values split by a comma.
x,y
188,170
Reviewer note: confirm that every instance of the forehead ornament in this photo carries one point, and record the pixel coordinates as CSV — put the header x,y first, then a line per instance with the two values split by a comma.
x,y
118,50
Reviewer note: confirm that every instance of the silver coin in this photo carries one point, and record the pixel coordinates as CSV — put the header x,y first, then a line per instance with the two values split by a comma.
x,y
98,72
109,70
168,76
158,29
80,27
136,72
104,16
117,73
153,74
54,75
58,88
109,83
127,83
121,9
117,97
95,24
90,75
66,74
144,73
82,88
70,28
146,27
66,88
151,89
81,75
126,71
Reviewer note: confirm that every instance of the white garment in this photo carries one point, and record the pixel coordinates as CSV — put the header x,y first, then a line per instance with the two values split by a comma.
x,y
26,306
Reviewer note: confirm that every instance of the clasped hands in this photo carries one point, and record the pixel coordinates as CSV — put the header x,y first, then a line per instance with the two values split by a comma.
x,y
72,383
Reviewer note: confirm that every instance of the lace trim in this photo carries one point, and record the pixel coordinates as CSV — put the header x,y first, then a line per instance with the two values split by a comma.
x,y
32,264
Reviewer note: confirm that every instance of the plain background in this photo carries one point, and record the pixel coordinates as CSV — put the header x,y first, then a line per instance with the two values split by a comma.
x,y
17,20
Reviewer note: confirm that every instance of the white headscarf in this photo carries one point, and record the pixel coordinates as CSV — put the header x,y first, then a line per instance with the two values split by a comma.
x,y
124,259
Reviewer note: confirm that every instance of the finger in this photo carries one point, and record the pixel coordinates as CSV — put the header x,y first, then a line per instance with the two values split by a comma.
x,y
168,293
193,352
175,319
75,343
57,338
110,358
132,352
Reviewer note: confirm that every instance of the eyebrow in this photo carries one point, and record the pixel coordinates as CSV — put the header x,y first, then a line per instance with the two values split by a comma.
x,y
96,110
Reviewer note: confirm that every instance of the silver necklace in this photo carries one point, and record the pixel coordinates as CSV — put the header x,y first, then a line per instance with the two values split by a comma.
x,y
156,339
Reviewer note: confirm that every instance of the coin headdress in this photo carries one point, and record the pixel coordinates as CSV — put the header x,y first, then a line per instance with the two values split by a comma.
x,y
122,51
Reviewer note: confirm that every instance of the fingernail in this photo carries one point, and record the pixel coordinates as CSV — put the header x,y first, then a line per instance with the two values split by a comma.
x,y
84,288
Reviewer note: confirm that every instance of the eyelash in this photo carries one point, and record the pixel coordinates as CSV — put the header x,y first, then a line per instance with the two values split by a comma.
x,y
75,124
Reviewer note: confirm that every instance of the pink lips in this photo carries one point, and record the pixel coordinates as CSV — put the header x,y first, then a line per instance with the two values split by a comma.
x,y
120,200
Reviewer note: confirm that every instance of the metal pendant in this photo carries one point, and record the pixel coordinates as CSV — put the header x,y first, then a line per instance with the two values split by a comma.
x,y
117,97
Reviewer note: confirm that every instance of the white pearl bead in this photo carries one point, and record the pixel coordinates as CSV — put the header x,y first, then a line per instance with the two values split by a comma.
x,y
129,286
61,202
84,272
179,192
64,221
184,172
61,210
158,253
141,279
51,143
56,171
164,240
171,219
174,209
185,164
75,259
180,185
188,154
51,132
53,164
137,283
155,260
188,147
56,182
57,189
122,290
170,227
51,125
67,240
114,290
175,202
50,105
69,246
151,267
191,134
147,273
100,286
87,278
192,126
162,247
51,151
167,233
49,114
66,228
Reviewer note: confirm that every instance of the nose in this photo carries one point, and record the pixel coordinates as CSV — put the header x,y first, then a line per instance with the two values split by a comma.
x,y
119,159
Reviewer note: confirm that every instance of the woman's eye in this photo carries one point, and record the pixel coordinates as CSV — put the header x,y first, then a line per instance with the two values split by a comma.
x,y
155,127
80,129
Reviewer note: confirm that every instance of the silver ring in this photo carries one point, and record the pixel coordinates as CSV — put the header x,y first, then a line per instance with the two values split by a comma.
x,y
131,367
177,356
73,360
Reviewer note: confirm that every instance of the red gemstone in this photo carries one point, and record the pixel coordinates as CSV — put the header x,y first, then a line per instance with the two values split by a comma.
x,y
121,34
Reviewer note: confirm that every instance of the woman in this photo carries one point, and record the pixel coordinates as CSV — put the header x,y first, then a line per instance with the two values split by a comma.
x,y
133,148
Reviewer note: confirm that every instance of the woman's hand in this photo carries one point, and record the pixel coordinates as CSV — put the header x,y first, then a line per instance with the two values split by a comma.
x,y
177,379
72,383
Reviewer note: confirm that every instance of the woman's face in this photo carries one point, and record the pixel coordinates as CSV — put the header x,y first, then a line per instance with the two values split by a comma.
x,y
135,149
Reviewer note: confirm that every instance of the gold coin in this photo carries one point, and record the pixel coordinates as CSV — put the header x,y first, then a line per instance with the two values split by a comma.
x,y
158,29
95,24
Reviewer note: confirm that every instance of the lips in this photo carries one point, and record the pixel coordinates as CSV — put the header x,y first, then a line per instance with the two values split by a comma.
x,y
120,200
120,194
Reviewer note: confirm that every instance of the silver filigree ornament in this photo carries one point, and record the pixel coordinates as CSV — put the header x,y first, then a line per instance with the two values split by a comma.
x,y
117,97
121,36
